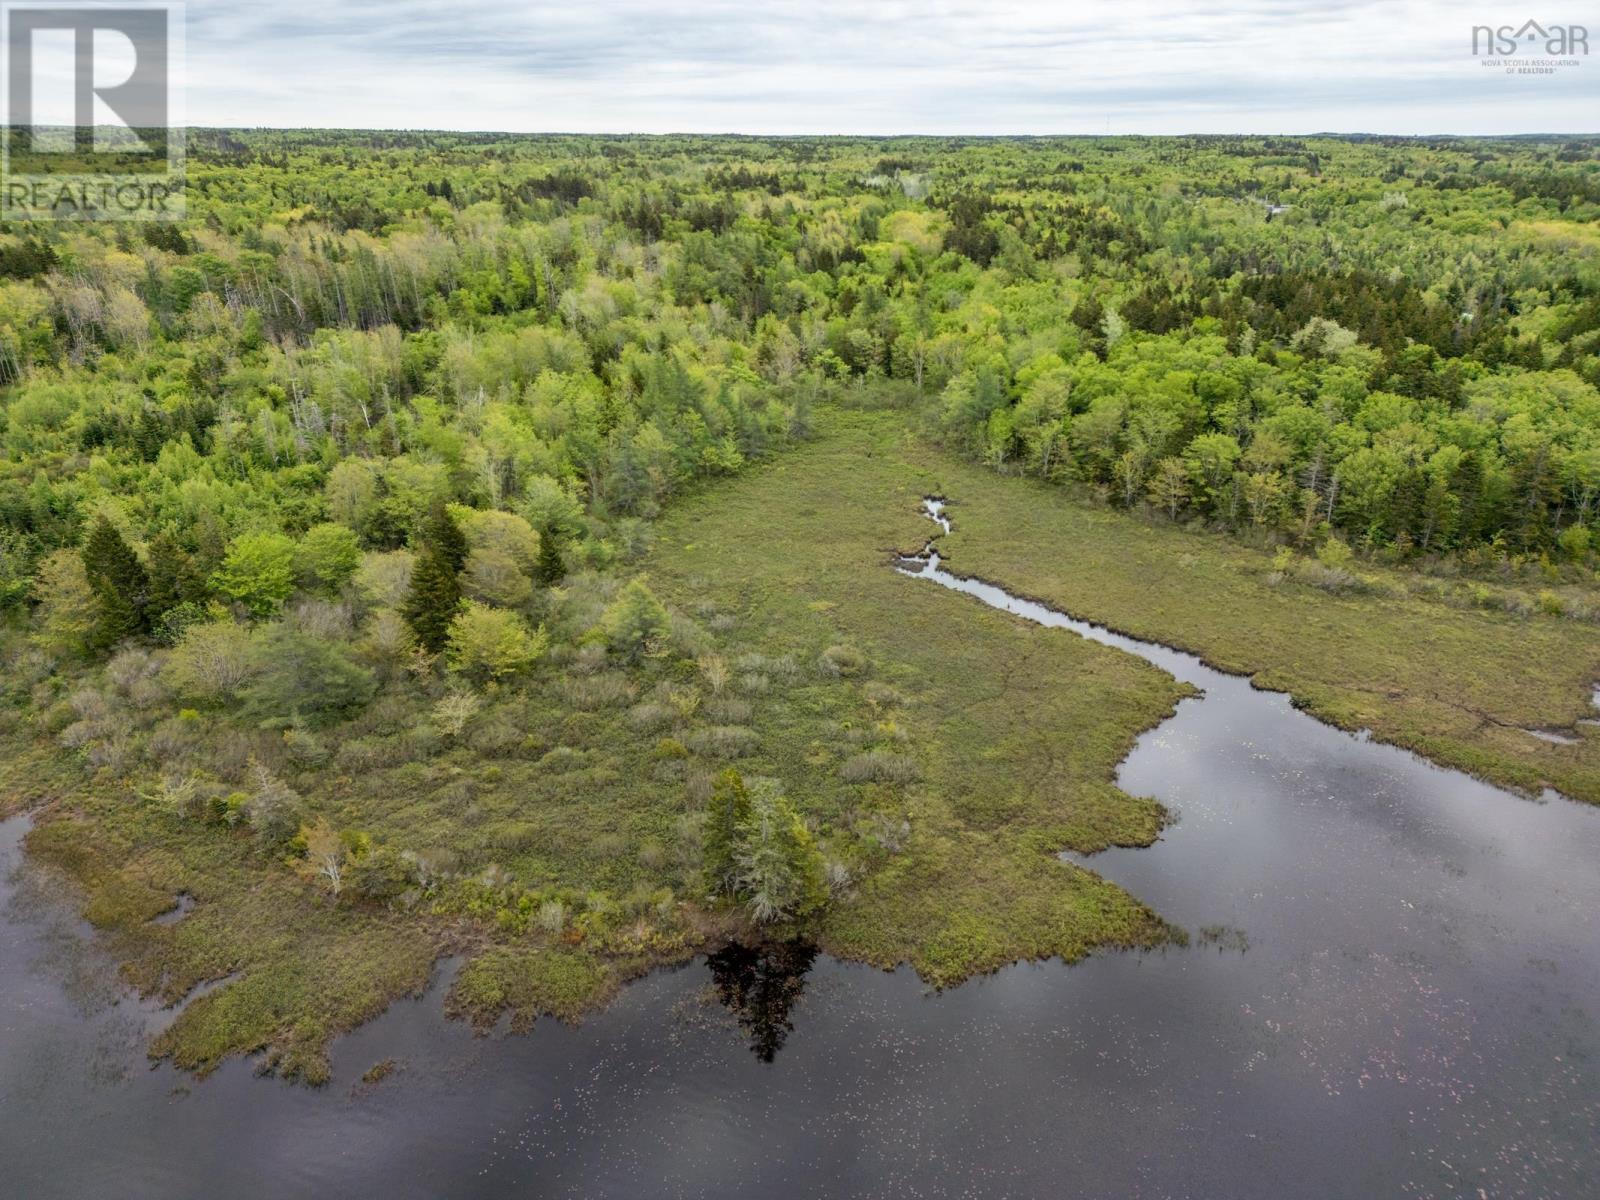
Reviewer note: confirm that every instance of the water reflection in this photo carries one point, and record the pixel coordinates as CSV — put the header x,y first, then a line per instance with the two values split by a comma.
x,y
760,985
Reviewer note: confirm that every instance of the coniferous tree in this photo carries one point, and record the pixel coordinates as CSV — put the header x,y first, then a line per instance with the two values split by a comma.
x,y
175,578
436,582
551,567
780,869
729,808
119,582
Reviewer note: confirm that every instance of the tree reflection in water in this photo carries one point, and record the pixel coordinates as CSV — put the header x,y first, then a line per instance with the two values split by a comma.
x,y
759,985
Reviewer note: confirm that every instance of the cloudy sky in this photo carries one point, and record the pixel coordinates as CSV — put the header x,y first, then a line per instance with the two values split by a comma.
x,y
772,66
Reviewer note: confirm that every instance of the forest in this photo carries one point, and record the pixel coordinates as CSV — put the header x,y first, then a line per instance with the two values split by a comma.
x,y
347,546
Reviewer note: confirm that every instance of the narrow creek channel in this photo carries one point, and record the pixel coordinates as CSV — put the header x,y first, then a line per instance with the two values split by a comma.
x,y
1392,992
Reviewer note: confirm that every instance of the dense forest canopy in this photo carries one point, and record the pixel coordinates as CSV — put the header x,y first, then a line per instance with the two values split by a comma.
x,y
1394,341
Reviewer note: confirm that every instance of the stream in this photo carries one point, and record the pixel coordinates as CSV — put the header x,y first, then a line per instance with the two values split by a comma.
x,y
1392,990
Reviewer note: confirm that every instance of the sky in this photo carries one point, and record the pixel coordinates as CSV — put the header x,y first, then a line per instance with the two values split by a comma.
x,y
776,67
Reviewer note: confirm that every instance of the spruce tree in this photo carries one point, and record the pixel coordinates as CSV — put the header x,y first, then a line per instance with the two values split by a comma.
x,y
728,810
174,577
119,582
436,581
551,567
779,868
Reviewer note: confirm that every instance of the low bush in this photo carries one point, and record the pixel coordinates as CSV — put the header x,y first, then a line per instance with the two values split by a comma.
x,y
879,766
723,741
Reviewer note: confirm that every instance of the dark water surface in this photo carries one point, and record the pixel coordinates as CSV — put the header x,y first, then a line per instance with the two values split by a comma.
x,y
1395,994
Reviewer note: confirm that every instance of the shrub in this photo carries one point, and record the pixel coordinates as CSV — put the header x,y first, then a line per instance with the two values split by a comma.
x,y
842,660
1575,541
452,712
381,874
779,667
730,710
210,662
130,667
552,916
594,692
650,715
300,676
723,741
635,622
652,855
487,644
879,766
1330,579
586,660
1334,554
881,695
686,637
887,833
496,735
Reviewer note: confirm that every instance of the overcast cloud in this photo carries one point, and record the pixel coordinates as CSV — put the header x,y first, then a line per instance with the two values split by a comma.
x,y
1008,67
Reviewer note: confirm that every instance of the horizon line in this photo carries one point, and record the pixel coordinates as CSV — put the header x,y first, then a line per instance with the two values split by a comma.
x,y
877,136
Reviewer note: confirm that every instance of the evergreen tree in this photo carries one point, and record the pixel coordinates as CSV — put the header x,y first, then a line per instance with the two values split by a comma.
x,y
551,568
175,578
1466,481
729,808
151,434
119,583
780,871
436,581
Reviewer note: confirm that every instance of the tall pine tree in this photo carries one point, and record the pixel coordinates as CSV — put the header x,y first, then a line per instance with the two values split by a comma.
x,y
119,582
436,581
